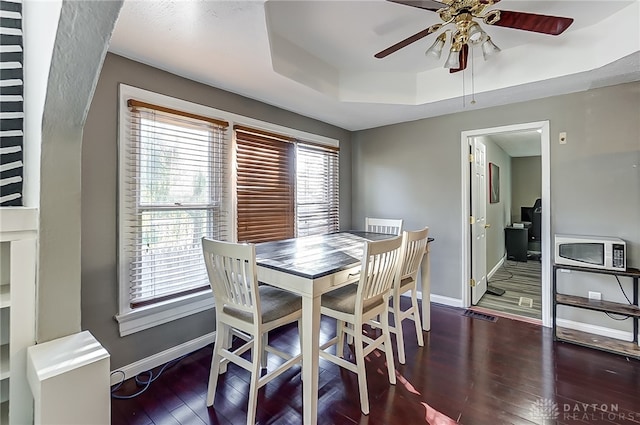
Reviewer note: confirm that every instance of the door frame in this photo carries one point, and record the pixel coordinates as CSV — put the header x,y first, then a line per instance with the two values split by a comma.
x,y
545,144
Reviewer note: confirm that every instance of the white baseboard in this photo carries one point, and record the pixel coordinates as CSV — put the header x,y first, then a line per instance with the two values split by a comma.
x,y
595,329
161,358
496,267
451,302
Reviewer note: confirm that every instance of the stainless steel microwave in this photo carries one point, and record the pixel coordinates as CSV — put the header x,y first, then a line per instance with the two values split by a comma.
x,y
591,251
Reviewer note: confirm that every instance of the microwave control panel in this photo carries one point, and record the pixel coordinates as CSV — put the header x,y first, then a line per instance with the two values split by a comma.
x,y
618,256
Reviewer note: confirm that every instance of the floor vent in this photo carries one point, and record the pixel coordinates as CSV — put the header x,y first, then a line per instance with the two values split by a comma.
x,y
525,302
481,316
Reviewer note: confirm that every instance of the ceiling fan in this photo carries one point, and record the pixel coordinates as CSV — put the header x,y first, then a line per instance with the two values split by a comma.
x,y
461,13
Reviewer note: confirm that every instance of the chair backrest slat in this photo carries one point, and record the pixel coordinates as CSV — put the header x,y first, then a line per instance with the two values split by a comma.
x,y
390,226
232,274
414,245
379,267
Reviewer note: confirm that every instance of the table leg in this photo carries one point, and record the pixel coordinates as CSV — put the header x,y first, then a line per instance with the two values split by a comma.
x,y
310,349
425,275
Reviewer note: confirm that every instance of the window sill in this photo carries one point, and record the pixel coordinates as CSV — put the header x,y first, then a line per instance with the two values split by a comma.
x,y
147,317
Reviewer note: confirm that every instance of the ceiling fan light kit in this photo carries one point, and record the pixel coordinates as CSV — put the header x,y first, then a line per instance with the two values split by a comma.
x,y
489,49
468,32
453,61
436,48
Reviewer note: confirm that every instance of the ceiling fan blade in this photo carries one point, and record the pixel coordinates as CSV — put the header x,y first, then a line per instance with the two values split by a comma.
x,y
464,54
417,36
422,4
552,25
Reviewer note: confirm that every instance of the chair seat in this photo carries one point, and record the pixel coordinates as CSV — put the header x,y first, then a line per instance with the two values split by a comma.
x,y
344,300
274,304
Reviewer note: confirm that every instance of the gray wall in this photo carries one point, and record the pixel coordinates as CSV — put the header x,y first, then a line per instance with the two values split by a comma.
x,y
99,200
412,170
526,183
409,170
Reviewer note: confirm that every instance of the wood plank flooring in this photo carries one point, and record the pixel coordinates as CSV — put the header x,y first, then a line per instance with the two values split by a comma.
x,y
474,371
518,279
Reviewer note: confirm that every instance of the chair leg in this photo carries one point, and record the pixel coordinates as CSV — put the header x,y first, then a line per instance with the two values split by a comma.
x,y
257,355
340,334
349,336
227,341
221,337
264,343
397,323
416,318
387,347
362,373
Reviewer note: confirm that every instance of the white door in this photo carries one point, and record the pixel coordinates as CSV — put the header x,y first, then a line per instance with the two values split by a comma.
x,y
478,220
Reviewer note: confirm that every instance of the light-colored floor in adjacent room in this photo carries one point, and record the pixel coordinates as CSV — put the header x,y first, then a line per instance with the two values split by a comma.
x,y
522,283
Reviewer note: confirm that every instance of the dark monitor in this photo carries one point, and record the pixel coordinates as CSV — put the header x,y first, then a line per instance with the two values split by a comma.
x,y
526,214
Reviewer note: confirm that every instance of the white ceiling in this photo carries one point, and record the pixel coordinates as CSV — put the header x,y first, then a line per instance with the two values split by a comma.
x,y
519,143
322,52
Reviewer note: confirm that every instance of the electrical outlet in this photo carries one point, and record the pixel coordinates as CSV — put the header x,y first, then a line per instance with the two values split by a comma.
x,y
595,295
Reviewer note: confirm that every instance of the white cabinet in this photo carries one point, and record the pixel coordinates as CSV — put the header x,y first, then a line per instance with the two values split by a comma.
x,y
18,232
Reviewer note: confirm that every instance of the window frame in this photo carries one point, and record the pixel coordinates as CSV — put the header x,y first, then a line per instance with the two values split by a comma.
x,y
144,317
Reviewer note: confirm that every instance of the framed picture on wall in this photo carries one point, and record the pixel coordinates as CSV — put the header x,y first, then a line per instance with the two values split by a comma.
x,y
494,183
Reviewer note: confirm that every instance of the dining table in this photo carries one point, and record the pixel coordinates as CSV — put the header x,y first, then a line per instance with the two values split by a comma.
x,y
311,266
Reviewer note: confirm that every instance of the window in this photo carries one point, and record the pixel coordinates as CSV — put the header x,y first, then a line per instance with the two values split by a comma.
x,y
265,186
173,186
180,180
285,187
317,194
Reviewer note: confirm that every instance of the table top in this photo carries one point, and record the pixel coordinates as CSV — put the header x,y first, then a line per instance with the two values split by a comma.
x,y
313,257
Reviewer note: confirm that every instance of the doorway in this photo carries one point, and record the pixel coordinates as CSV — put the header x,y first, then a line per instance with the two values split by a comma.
x,y
473,251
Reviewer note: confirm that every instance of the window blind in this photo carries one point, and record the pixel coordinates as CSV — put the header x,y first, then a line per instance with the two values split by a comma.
x,y
175,193
11,103
265,186
317,190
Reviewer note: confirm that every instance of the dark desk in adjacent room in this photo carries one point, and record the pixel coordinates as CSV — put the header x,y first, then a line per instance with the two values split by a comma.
x,y
516,240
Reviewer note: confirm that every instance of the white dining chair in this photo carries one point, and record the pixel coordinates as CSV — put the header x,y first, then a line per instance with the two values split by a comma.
x,y
414,246
243,305
355,305
389,226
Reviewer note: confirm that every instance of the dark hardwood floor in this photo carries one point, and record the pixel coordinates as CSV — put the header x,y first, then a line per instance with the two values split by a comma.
x,y
473,371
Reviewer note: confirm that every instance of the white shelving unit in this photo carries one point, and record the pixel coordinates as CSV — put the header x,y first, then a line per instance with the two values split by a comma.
x,y
18,233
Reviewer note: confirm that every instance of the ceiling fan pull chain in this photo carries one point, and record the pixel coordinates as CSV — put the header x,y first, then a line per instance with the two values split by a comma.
x,y
464,103
473,85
